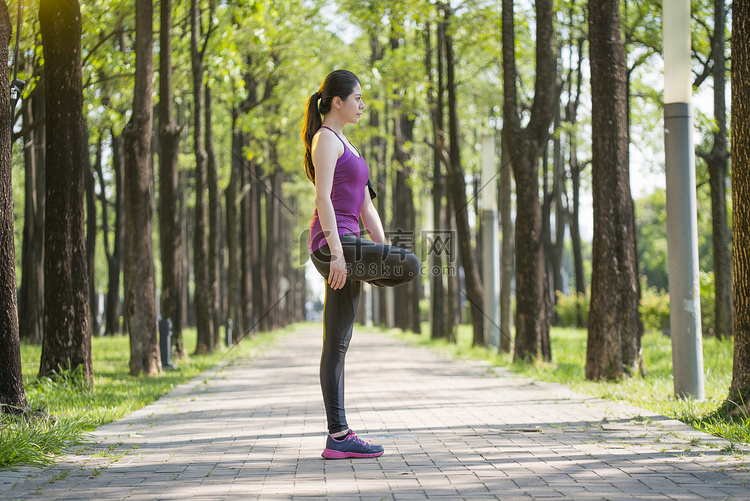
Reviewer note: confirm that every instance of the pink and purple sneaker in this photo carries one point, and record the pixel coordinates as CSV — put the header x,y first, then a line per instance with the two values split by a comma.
x,y
350,446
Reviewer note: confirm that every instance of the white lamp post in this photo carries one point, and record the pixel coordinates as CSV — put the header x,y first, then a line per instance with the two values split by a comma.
x,y
490,247
682,226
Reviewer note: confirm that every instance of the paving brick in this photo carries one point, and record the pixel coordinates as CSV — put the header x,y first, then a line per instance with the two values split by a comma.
x,y
452,430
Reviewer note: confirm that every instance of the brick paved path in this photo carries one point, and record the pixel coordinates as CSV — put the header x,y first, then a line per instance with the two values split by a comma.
x,y
254,429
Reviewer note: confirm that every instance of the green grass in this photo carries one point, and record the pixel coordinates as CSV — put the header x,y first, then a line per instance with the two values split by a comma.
x,y
655,391
36,442
74,409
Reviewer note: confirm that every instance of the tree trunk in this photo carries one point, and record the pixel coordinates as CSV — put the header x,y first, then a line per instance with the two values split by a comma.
x,y
91,227
272,253
203,311
437,268
31,306
99,169
561,211
532,306
299,291
740,119
253,293
12,395
452,298
116,259
67,329
416,290
722,248
188,310
437,291
378,152
403,197
400,233
248,271
457,187
614,322
575,235
717,169
575,232
286,276
234,272
140,293
259,288
169,217
214,221
573,218
506,278
405,218
412,289
547,200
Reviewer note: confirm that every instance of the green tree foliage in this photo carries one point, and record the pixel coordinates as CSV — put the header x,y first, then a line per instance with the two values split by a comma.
x,y
281,50
651,221
651,217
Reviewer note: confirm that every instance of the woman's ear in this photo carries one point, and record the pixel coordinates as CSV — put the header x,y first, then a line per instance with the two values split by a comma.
x,y
337,102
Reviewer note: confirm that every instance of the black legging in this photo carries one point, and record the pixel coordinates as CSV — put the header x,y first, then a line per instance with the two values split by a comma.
x,y
379,264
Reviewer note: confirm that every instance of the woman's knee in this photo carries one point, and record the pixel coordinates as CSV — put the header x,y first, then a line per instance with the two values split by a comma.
x,y
411,266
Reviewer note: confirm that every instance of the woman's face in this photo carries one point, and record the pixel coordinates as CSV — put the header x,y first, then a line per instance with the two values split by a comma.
x,y
352,106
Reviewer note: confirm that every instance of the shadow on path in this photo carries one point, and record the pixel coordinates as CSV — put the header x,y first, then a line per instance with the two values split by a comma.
x,y
255,428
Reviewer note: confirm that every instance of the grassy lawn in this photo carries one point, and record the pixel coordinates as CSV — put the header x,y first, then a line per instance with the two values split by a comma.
x,y
76,409
655,391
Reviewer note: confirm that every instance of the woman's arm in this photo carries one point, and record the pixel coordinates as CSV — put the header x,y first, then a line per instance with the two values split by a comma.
x,y
326,150
371,220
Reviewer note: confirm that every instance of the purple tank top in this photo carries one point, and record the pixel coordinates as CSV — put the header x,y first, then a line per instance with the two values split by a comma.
x,y
347,195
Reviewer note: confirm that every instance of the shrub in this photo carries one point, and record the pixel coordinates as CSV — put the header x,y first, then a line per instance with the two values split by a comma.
x,y
654,308
568,307
708,302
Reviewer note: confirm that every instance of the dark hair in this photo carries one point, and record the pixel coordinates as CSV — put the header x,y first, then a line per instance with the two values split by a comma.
x,y
339,83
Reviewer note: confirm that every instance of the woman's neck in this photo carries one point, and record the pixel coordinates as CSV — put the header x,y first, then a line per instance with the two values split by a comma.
x,y
334,125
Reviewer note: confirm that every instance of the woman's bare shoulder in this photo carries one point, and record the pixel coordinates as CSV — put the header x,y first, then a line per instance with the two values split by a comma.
x,y
327,140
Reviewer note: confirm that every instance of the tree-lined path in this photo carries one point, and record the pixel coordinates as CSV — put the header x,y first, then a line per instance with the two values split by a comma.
x,y
254,429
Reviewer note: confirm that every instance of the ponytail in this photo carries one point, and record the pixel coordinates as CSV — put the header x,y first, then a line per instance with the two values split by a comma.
x,y
338,83
313,122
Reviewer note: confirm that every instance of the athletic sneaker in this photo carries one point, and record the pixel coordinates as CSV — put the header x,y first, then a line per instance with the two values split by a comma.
x,y
350,446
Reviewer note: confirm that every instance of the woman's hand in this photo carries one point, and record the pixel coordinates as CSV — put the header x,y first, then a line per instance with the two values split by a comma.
x,y
337,271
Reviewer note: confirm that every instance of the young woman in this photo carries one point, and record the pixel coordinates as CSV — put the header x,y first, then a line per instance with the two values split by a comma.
x,y
343,195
